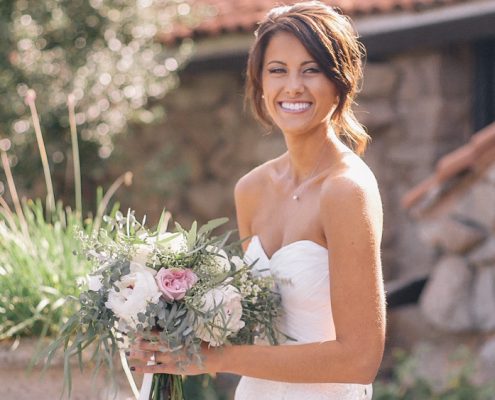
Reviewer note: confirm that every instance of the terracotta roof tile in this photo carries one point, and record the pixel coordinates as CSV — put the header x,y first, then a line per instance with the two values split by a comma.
x,y
242,15
474,156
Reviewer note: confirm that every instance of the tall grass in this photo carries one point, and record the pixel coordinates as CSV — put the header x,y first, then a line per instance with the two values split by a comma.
x,y
38,272
40,261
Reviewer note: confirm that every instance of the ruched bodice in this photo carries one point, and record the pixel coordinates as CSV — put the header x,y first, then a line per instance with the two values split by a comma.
x,y
302,272
301,269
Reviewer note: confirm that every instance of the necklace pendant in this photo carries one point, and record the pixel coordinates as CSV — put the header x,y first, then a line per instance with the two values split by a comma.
x,y
295,197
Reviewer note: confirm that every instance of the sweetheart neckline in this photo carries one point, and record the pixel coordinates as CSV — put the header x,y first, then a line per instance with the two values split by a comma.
x,y
286,246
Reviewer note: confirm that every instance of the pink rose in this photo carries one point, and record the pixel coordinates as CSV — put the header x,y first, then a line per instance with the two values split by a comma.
x,y
175,282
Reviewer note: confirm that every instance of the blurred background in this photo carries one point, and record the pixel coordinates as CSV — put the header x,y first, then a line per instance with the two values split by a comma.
x,y
157,87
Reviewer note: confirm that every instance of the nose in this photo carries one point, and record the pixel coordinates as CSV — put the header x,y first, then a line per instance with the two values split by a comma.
x,y
294,85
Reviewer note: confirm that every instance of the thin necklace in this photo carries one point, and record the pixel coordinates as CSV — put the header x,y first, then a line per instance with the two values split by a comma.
x,y
296,194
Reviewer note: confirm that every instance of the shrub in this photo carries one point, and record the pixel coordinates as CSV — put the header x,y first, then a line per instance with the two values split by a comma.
x,y
406,383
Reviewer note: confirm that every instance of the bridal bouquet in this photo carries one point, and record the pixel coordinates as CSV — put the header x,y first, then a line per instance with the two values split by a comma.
x,y
181,288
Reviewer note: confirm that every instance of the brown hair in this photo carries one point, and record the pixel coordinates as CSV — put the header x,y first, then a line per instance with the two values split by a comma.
x,y
330,38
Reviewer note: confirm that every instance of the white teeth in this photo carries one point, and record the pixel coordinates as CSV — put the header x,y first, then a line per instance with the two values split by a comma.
x,y
295,106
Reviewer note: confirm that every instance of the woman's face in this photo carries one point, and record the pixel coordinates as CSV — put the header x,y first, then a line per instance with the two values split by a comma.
x,y
297,94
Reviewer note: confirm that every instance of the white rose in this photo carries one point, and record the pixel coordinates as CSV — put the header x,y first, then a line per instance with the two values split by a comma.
x,y
227,319
176,244
220,257
94,282
136,291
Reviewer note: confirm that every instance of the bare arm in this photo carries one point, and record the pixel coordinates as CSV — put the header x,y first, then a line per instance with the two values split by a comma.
x,y
352,220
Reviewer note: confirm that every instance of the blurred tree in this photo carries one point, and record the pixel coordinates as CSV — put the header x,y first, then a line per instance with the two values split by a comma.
x,y
105,52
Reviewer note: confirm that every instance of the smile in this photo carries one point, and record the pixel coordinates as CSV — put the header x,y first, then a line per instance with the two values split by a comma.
x,y
294,107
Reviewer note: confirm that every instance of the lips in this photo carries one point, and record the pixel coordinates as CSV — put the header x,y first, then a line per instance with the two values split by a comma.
x,y
294,106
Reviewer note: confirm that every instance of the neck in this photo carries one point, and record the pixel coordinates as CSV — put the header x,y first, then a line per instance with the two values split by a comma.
x,y
309,152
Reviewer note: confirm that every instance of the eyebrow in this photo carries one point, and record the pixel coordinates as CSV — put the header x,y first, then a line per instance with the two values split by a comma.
x,y
281,62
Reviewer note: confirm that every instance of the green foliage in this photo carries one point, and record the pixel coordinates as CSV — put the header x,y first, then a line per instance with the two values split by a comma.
x,y
407,384
105,52
38,270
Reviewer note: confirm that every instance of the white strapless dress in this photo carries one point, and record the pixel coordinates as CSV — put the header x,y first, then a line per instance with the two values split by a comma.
x,y
307,317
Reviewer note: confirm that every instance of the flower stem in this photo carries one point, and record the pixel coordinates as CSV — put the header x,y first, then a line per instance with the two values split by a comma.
x,y
13,193
75,154
30,101
122,179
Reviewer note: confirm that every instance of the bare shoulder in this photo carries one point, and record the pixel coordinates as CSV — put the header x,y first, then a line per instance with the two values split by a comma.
x,y
353,190
250,186
248,192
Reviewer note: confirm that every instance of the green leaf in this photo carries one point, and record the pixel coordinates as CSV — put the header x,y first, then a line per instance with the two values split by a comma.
x,y
192,235
211,225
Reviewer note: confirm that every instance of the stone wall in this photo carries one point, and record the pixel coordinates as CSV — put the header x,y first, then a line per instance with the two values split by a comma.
x,y
419,108
460,294
457,305
415,105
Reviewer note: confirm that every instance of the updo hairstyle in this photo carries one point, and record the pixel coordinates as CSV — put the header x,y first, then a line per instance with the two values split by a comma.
x,y
330,39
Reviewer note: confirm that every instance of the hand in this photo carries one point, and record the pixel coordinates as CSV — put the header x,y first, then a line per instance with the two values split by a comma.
x,y
172,362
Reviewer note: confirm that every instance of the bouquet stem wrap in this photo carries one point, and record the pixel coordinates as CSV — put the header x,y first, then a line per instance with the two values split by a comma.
x,y
146,386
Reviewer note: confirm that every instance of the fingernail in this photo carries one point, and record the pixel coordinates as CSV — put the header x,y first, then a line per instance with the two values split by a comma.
x,y
127,353
132,368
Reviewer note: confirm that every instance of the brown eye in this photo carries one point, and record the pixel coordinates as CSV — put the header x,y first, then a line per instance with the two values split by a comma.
x,y
276,70
312,70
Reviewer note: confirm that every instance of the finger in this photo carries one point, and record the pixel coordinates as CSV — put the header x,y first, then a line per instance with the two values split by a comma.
x,y
147,356
154,369
151,346
136,354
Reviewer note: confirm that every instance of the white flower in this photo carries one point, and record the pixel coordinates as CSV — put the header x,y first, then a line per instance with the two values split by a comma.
x,y
176,244
94,282
142,253
136,291
220,257
238,262
136,267
225,302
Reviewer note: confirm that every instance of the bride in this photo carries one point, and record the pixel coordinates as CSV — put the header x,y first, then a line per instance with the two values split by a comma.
x,y
313,214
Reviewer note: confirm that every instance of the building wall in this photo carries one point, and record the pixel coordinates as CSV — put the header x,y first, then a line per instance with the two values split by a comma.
x,y
416,105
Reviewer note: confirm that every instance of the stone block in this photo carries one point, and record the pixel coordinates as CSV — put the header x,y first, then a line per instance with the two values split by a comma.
x,y
407,326
445,301
483,254
205,92
208,200
222,161
483,300
478,204
421,118
486,357
380,80
269,147
451,235
376,115
419,76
